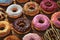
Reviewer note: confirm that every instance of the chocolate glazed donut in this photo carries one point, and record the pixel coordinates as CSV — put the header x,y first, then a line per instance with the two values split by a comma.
x,y
21,26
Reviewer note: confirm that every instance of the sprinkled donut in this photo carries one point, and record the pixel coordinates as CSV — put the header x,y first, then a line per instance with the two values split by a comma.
x,y
32,36
40,22
5,2
14,11
21,26
31,8
48,6
56,19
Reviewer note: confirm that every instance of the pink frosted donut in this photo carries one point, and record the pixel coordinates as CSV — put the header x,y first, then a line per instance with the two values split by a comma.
x,y
56,19
48,6
32,36
41,22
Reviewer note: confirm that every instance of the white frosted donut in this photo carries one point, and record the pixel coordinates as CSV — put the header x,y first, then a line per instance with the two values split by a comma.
x,y
15,14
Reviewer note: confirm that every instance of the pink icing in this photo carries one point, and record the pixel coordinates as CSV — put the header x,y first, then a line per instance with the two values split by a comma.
x,y
51,8
41,26
55,20
32,36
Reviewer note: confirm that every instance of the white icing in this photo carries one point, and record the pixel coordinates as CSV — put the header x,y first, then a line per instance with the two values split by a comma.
x,y
17,13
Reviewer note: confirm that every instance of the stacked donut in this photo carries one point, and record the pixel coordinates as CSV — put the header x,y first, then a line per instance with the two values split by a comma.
x,y
29,19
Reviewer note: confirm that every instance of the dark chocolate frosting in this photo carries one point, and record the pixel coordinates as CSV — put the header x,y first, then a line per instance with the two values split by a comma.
x,y
21,25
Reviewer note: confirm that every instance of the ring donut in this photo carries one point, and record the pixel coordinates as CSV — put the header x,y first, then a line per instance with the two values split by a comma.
x,y
21,26
5,2
48,6
40,22
4,28
56,19
14,11
31,8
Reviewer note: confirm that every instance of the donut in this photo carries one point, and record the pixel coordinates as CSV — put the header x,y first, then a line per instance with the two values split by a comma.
x,y
21,26
5,2
58,2
56,19
31,8
48,6
32,36
51,34
22,1
11,37
14,11
4,28
3,15
40,22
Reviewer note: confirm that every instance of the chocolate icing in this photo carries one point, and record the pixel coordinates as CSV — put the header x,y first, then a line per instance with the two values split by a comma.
x,y
21,25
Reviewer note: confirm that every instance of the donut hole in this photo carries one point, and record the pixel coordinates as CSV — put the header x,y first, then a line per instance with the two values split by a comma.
x,y
2,27
59,19
48,4
31,8
31,39
0,16
41,21
14,9
21,24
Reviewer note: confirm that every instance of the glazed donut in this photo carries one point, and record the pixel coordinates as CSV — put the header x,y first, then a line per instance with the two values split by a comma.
x,y
11,37
21,26
5,2
31,8
22,1
14,10
32,36
4,28
56,19
40,22
48,6
3,15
